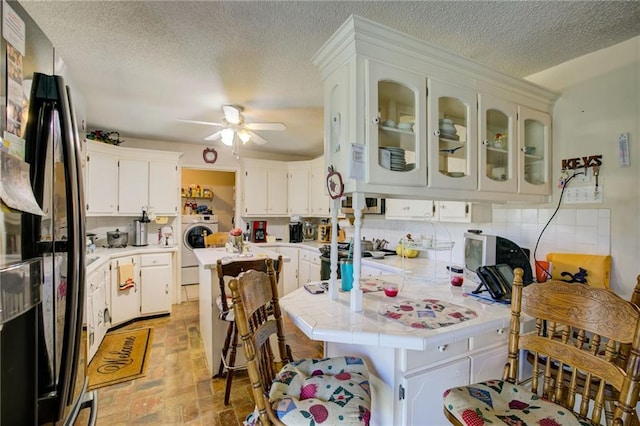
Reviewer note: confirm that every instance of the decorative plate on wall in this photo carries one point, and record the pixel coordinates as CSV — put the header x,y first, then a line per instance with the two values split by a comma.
x,y
209,155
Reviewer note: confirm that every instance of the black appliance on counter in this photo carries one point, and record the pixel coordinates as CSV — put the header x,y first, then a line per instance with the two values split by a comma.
x,y
295,232
343,254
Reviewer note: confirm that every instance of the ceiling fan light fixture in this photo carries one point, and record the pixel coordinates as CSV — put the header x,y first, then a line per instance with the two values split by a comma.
x,y
227,136
244,136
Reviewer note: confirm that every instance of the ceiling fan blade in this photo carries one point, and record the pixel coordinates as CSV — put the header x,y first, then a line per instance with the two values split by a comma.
x,y
257,138
232,114
214,137
207,123
265,126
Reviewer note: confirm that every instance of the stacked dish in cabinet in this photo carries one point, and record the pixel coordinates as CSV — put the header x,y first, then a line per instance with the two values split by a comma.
x,y
392,158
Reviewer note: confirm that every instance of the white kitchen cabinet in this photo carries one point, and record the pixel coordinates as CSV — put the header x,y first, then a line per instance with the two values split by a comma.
x,y
534,136
264,188
289,276
133,186
439,211
155,283
376,78
101,187
421,392
308,266
409,209
125,304
163,187
459,211
395,114
97,316
499,144
298,188
319,203
453,158
121,181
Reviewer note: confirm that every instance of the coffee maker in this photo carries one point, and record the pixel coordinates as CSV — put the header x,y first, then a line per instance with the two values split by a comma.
x,y
295,232
259,231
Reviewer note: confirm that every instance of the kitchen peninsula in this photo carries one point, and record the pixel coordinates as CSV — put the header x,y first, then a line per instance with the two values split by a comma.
x,y
212,329
409,367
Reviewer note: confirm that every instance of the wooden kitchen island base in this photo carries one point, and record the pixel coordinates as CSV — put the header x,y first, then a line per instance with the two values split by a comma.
x,y
409,367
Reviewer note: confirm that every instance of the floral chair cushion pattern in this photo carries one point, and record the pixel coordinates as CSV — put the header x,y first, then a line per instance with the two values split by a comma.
x,y
330,391
498,402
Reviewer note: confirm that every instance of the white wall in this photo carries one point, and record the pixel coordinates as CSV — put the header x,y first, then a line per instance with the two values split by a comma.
x,y
601,99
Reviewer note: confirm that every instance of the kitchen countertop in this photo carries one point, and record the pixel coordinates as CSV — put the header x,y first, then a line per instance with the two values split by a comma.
x,y
103,254
207,257
323,319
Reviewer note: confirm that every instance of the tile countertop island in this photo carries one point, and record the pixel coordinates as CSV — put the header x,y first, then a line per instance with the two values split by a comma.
x,y
212,329
410,367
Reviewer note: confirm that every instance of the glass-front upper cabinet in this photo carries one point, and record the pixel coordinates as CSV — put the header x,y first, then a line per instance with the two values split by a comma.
x,y
453,151
498,146
396,111
534,135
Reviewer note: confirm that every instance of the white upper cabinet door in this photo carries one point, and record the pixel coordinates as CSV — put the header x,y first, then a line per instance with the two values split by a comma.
x,y
534,136
164,195
277,191
298,190
255,190
320,203
101,188
133,186
453,149
499,144
395,129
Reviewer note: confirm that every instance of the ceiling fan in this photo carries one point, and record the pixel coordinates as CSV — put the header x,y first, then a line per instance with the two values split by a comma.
x,y
233,124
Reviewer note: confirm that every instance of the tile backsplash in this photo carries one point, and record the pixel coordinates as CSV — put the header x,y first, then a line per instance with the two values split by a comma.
x,y
570,231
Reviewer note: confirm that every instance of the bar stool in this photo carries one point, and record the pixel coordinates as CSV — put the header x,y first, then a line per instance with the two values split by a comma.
x,y
224,303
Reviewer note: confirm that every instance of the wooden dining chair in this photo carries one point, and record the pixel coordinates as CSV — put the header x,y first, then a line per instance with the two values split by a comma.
x,y
227,271
578,329
308,391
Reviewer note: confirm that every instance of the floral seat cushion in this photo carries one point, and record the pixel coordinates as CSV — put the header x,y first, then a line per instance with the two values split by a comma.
x,y
498,402
331,391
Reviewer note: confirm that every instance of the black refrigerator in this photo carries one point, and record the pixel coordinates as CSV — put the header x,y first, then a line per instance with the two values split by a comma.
x,y
42,236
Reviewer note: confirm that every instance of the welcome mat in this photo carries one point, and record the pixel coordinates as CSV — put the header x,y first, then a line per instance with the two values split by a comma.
x,y
427,313
121,356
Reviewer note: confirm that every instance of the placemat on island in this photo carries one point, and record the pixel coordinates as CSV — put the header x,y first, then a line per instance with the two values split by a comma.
x,y
426,313
369,285
121,356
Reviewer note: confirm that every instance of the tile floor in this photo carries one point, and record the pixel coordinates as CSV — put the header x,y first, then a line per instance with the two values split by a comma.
x,y
178,388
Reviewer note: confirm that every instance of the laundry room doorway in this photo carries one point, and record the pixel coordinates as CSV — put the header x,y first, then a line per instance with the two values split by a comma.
x,y
208,205
221,202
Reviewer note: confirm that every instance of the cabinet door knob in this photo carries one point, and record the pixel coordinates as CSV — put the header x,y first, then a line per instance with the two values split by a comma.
x,y
485,142
442,348
500,331
436,133
376,120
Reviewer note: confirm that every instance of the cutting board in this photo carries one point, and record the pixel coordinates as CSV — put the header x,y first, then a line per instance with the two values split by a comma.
x,y
597,267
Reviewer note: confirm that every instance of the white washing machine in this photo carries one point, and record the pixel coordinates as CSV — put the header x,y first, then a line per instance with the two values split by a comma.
x,y
194,228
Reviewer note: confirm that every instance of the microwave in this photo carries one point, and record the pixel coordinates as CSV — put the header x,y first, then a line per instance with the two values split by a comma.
x,y
373,206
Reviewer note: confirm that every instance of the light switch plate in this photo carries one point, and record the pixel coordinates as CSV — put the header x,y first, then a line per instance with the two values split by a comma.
x,y
582,195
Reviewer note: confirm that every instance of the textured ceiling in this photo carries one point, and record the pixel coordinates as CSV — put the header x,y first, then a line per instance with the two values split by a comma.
x,y
143,65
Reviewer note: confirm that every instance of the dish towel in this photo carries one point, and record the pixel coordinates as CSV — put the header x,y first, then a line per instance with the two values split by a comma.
x,y
125,276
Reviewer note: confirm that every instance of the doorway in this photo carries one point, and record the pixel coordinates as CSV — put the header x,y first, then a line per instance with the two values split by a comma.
x,y
212,193
221,184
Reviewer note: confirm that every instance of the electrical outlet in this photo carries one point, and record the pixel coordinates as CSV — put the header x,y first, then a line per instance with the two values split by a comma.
x,y
582,195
